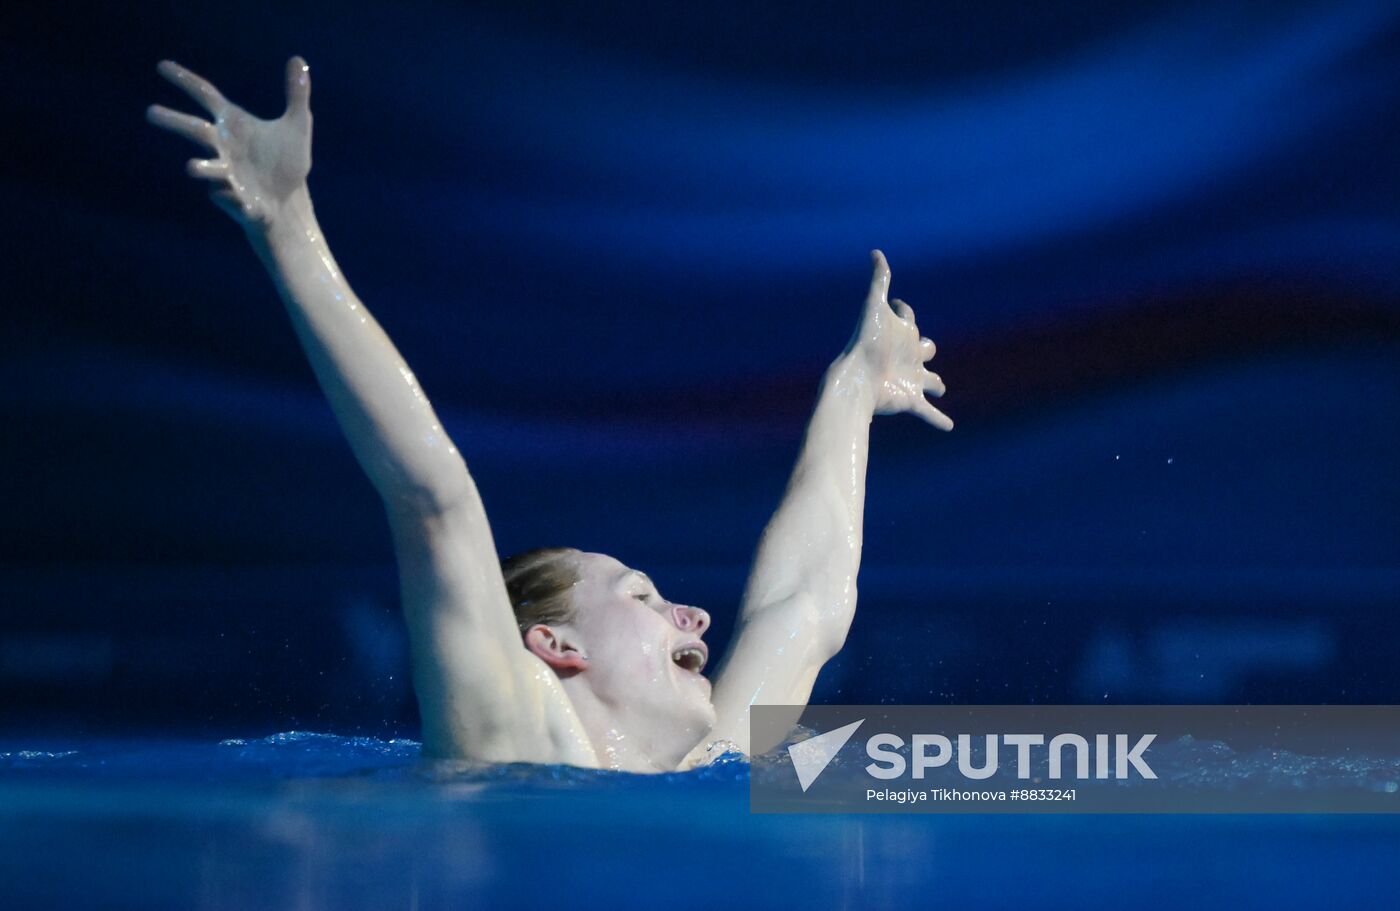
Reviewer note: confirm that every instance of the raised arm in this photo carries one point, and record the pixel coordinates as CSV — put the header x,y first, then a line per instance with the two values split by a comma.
x,y
480,692
259,178
801,594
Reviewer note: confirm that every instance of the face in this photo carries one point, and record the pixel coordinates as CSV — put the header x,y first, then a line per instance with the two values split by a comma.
x,y
644,654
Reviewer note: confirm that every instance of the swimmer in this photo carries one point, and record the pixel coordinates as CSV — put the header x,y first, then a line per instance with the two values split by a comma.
x,y
556,655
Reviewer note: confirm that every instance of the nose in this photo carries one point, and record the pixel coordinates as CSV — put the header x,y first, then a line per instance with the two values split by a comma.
x,y
690,619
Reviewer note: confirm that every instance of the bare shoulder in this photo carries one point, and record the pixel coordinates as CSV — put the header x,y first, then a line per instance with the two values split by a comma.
x,y
481,694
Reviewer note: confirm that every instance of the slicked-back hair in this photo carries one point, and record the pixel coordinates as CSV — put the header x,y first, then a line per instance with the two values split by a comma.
x,y
540,583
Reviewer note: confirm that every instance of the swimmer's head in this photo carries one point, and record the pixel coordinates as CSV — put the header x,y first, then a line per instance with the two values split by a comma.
x,y
598,622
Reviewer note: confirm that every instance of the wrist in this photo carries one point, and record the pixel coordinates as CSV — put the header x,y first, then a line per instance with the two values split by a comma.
x,y
849,379
289,220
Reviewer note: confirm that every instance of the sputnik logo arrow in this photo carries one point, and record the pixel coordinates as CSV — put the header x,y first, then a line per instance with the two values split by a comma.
x,y
811,757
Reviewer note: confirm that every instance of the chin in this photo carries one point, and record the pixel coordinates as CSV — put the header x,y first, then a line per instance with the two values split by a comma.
x,y
699,711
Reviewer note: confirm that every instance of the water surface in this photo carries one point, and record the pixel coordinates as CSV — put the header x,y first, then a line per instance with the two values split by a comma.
x,y
320,821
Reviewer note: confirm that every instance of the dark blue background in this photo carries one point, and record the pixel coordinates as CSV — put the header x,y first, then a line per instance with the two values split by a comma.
x,y
619,243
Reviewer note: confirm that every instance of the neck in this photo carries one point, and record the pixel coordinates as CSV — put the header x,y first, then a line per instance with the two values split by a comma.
x,y
622,741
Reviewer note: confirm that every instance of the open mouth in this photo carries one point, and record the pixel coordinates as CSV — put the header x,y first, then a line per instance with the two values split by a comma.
x,y
691,657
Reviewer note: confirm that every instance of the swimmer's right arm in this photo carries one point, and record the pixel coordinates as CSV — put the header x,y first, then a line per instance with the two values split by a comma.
x,y
480,695
259,178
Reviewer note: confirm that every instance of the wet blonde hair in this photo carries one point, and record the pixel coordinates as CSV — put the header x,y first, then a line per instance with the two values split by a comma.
x,y
539,583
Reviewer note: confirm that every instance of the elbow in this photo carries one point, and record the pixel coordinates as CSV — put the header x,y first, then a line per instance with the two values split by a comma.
x,y
428,494
829,641
802,619
825,628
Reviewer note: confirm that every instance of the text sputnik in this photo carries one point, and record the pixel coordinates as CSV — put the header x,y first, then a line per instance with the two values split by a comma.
x,y
930,751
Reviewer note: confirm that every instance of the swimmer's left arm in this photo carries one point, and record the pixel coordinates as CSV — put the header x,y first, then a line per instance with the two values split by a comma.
x,y
801,593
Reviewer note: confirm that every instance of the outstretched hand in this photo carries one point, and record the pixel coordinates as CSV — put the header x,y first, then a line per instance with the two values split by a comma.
x,y
887,343
258,164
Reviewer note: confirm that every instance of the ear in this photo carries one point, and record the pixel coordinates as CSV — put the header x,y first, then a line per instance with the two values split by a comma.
x,y
555,650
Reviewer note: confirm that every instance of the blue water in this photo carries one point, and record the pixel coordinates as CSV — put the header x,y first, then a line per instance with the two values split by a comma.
x,y
318,821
